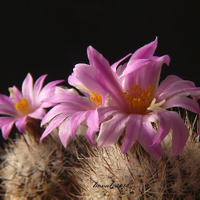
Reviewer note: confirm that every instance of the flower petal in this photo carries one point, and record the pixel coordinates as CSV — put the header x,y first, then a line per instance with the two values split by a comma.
x,y
57,110
7,126
172,81
17,94
92,80
136,72
183,102
109,80
4,100
154,77
8,110
146,136
4,120
72,80
48,90
38,114
20,124
72,98
92,120
146,51
65,132
99,62
174,86
180,133
27,88
143,72
179,92
164,124
121,69
53,124
76,121
111,130
90,135
171,120
116,64
106,112
38,85
132,132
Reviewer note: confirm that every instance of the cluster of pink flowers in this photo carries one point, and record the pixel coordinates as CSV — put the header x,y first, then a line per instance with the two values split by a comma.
x,y
119,101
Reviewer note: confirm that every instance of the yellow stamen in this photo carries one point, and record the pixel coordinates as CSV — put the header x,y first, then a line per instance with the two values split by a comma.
x,y
96,98
139,98
22,107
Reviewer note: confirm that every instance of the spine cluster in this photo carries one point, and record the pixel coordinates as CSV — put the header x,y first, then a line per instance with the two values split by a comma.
x,y
34,170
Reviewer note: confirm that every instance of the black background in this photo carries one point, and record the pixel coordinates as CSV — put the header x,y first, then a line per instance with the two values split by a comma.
x,y
52,36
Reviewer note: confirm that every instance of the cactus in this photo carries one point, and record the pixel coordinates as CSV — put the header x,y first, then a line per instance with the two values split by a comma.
x,y
34,170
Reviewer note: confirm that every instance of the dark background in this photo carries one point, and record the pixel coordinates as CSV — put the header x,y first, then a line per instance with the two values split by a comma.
x,y
52,36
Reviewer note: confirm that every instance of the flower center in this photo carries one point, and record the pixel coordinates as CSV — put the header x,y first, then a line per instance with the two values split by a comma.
x,y
96,98
139,99
22,107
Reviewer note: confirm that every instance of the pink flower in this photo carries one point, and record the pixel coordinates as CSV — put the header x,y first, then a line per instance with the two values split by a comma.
x,y
146,103
124,100
71,111
22,106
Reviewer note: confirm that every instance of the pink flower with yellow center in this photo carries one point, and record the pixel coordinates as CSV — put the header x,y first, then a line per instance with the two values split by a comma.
x,y
145,103
23,106
71,111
